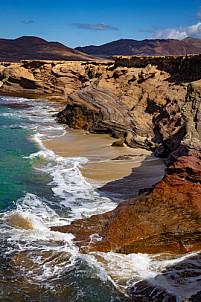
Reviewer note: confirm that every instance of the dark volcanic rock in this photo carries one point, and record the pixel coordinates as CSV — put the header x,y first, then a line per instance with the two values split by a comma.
x,y
143,291
172,284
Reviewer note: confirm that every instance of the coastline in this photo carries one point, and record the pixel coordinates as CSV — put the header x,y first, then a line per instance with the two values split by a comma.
x,y
107,165
169,209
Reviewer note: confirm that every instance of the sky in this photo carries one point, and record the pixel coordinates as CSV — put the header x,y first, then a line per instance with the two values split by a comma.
x,y
82,22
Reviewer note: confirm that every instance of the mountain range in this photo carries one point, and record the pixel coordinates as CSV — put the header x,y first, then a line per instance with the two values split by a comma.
x,y
34,48
156,47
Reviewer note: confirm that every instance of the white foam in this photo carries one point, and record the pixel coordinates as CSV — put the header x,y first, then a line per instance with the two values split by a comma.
x,y
73,191
69,184
126,270
49,253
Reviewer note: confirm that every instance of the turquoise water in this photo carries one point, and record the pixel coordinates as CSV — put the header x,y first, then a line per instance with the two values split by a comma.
x,y
17,174
39,189
34,190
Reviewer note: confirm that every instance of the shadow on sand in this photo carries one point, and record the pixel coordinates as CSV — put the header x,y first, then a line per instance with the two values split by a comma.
x,y
148,174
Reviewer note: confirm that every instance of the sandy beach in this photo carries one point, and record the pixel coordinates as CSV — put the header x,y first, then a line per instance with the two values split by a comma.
x,y
118,172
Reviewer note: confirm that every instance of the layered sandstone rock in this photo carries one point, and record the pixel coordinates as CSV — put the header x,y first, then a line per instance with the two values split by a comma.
x,y
146,102
192,111
169,218
141,105
143,101
137,99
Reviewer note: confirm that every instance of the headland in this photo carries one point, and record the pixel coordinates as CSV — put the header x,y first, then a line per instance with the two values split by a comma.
x,y
147,102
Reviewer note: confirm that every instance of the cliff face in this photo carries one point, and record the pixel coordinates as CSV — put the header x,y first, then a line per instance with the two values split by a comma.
x,y
166,220
138,99
169,218
192,111
148,102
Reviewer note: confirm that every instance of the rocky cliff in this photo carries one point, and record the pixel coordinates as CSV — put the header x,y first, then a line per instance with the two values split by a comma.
x,y
148,102
166,220
137,99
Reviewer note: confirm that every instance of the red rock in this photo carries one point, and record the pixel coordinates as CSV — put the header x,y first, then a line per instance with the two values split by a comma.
x,y
167,220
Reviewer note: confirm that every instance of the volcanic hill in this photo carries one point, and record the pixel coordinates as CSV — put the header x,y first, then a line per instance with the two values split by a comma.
x,y
155,47
34,48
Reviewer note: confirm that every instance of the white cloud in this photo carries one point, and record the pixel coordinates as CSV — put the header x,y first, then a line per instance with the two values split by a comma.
x,y
180,32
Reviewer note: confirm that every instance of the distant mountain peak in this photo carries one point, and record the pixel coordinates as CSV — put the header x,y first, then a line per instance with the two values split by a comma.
x,y
35,48
29,38
147,47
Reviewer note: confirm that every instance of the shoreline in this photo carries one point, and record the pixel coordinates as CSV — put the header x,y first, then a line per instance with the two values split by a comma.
x,y
108,165
125,183
101,170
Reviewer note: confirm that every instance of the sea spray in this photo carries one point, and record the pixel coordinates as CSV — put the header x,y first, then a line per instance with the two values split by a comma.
x,y
42,265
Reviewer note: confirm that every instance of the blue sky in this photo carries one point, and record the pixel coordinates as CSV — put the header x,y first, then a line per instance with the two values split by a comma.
x,y
80,23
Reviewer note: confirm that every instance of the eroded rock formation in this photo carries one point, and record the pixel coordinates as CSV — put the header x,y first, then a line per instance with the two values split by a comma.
x,y
146,102
137,99
167,220
192,111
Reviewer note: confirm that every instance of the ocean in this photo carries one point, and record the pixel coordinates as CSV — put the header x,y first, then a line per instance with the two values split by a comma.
x,y
39,189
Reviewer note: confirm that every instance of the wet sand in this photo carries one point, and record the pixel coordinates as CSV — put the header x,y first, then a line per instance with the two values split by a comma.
x,y
117,178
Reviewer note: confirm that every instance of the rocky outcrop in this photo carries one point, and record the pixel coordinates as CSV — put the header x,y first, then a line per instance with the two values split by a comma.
x,y
137,99
141,99
97,109
181,68
192,112
166,220
46,78
138,104
141,105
